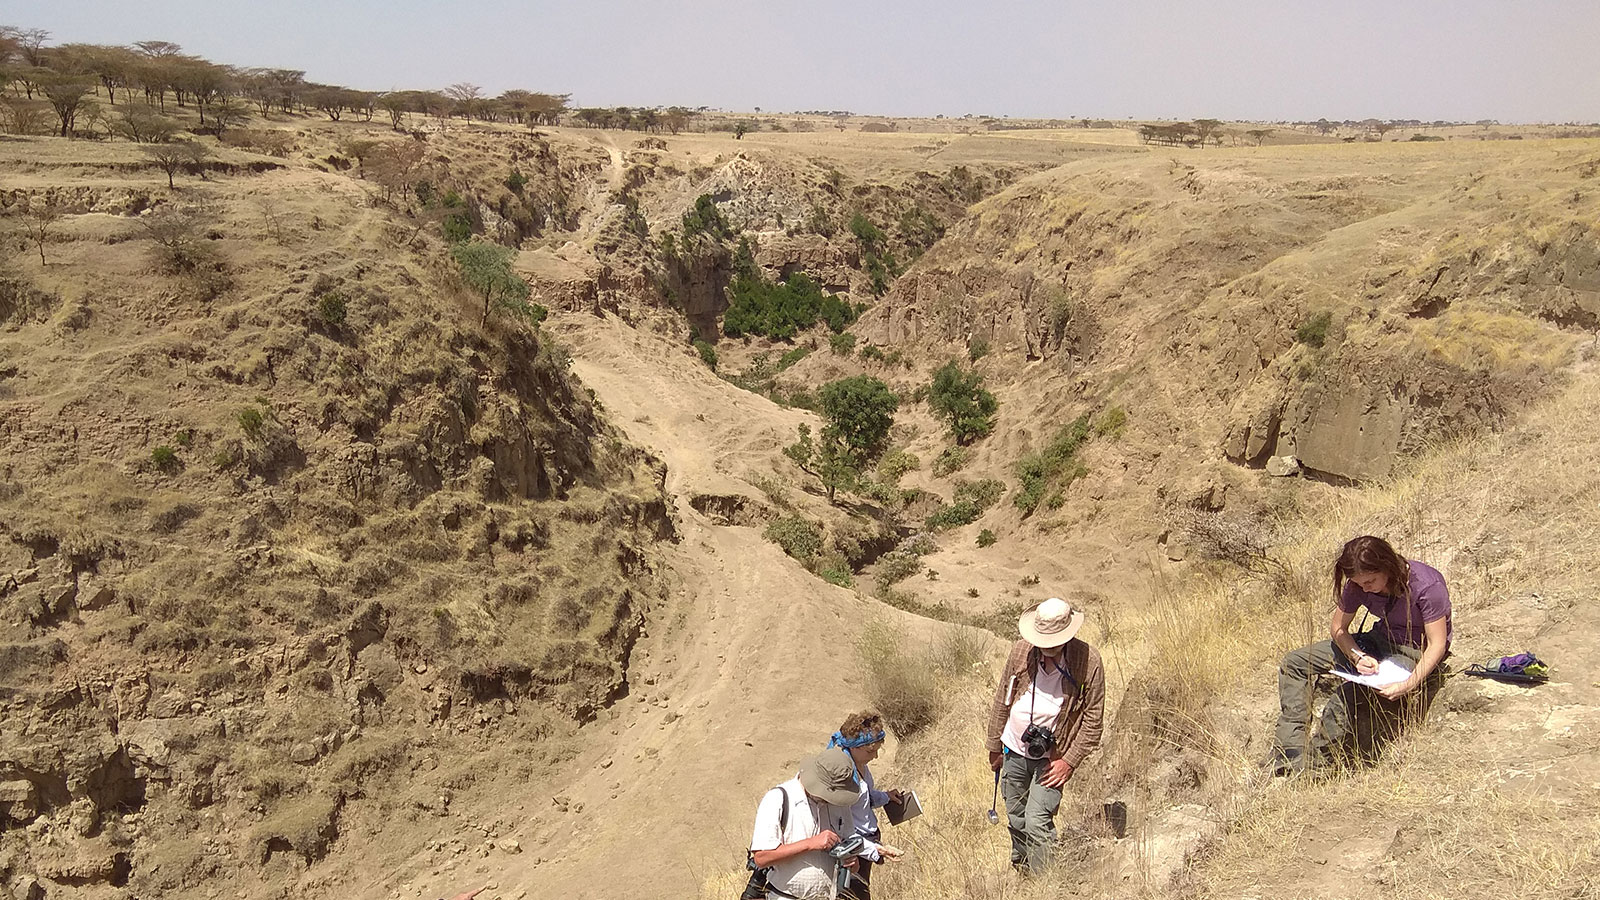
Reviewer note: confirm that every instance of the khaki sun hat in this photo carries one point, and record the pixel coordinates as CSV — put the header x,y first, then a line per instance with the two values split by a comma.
x,y
830,776
1051,624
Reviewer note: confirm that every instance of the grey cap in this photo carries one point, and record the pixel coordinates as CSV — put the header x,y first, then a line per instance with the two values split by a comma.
x,y
830,776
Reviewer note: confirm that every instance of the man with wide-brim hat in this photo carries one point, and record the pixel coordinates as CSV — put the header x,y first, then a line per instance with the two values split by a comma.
x,y
1045,719
798,822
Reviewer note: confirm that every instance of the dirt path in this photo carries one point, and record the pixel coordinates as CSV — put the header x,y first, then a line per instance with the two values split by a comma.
x,y
743,673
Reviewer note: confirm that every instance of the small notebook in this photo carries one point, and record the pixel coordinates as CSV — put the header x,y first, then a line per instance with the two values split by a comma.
x,y
906,809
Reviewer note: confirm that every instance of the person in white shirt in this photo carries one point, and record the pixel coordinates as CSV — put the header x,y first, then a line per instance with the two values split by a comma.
x,y
797,823
862,736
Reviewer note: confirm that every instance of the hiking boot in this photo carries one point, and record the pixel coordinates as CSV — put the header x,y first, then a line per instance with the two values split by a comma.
x,y
1286,763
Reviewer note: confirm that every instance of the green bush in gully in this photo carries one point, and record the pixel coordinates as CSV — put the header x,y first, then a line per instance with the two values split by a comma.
x,y
859,412
971,499
959,397
708,353
779,310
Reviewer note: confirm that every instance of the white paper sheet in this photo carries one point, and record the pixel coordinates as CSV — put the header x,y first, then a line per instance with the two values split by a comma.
x,y
1390,671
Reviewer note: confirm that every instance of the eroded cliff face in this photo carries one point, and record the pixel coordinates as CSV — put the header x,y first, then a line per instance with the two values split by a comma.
x,y
1344,314
275,541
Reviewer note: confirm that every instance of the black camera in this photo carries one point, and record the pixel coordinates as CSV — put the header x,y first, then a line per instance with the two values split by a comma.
x,y
1038,740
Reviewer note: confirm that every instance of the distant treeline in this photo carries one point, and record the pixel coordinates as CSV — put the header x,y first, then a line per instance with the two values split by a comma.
x,y
59,79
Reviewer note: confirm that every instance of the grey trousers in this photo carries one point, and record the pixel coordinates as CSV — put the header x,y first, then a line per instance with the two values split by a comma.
x,y
1355,720
1030,810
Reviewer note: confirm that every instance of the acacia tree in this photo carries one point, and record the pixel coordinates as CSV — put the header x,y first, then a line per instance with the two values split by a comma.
x,y
486,268
67,96
174,156
467,97
39,217
1205,129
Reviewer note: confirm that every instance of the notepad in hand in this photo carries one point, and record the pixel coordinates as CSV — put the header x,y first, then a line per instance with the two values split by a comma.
x,y
908,808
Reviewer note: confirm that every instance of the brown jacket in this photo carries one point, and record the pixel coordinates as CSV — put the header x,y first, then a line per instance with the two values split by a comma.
x,y
1077,729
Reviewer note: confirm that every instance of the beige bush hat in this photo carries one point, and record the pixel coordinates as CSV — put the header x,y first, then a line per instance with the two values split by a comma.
x,y
830,776
1051,624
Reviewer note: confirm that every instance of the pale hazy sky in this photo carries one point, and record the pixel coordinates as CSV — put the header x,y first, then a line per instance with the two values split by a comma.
x,y
1513,60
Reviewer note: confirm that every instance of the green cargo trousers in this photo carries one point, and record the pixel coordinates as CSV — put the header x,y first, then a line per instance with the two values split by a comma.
x,y
1356,720
1030,810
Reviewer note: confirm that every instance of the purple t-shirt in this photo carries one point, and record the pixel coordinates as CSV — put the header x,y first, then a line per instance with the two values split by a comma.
x,y
1430,601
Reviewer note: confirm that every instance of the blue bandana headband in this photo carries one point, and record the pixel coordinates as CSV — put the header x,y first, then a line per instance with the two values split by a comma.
x,y
861,740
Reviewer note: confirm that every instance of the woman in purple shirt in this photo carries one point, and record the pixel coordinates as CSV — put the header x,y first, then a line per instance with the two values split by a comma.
x,y
1413,605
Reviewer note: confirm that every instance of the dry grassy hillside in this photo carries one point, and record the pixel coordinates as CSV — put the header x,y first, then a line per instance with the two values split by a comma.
x,y
1343,305
283,527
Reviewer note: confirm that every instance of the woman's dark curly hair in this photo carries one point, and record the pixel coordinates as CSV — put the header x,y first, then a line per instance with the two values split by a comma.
x,y
861,723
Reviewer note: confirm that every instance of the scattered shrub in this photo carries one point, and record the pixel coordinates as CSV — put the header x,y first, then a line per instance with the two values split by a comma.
x,y
842,344
982,494
952,515
1313,332
706,218
516,181
331,309
896,463
800,538
986,538
253,422
1111,423
951,460
792,357
978,349
834,568
1054,466
708,353
164,458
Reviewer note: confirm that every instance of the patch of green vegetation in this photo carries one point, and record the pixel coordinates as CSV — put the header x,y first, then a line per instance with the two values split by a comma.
x,y
1054,467
951,460
332,308
952,515
959,397
792,357
165,459
253,422
880,264
1111,423
895,464
708,353
977,349
781,309
706,218
842,344
1313,332
799,537
986,538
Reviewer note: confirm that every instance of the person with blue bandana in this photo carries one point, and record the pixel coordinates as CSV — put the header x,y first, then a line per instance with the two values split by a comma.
x,y
861,736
